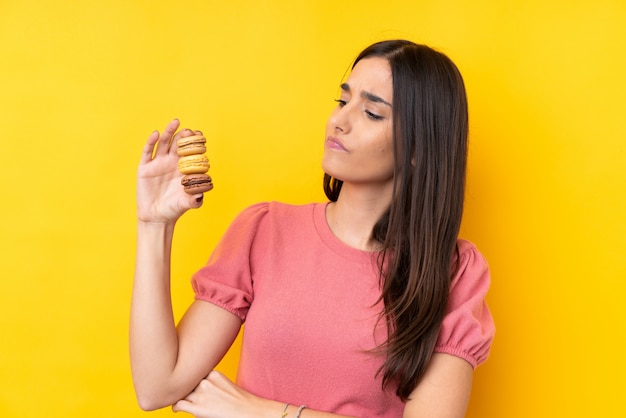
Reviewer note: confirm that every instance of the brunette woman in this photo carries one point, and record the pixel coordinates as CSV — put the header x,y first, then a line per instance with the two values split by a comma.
x,y
366,305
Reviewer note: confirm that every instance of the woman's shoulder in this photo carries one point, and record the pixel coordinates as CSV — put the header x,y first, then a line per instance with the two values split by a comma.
x,y
280,210
468,328
469,259
466,246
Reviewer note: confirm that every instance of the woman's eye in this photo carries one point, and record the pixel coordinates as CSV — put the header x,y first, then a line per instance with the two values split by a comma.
x,y
341,102
373,116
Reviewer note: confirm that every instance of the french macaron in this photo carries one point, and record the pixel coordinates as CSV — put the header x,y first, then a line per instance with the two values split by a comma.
x,y
193,164
197,183
190,145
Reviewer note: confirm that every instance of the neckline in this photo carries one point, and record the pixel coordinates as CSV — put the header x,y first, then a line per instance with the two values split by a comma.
x,y
334,243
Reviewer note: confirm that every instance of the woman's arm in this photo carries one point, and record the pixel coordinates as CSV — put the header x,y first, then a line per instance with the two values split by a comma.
x,y
167,364
217,397
444,391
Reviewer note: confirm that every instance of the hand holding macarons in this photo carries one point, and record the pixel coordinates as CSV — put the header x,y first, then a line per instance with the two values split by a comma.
x,y
160,196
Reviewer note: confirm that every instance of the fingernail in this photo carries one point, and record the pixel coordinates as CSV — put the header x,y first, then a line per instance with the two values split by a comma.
x,y
199,199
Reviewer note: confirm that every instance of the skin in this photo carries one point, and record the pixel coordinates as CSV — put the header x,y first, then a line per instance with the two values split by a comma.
x,y
166,362
174,365
365,164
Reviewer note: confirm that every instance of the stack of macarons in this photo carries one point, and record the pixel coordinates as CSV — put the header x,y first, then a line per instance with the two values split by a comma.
x,y
194,164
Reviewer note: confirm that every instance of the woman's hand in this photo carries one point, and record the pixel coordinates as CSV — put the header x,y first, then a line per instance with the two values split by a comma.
x,y
160,196
217,397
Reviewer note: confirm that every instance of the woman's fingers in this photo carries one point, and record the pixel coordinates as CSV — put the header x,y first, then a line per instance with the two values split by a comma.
x,y
166,142
184,406
195,402
216,396
218,379
199,199
148,149
163,146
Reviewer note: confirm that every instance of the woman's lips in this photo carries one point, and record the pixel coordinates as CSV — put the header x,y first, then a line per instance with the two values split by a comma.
x,y
334,143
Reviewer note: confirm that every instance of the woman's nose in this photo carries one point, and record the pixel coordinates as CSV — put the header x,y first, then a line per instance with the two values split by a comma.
x,y
341,118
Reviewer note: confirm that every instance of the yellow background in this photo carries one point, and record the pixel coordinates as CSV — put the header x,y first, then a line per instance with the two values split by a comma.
x,y
82,85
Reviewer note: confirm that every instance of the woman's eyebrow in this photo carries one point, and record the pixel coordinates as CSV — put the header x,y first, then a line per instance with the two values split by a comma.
x,y
366,95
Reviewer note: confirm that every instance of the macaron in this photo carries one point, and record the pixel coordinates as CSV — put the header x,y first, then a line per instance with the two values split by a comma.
x,y
197,183
193,164
190,145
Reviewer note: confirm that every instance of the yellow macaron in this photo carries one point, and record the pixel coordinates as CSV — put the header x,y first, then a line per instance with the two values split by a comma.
x,y
193,164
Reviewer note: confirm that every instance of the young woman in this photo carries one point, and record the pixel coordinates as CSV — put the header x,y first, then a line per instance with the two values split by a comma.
x,y
367,305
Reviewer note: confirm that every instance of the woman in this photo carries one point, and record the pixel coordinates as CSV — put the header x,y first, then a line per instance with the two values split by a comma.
x,y
366,305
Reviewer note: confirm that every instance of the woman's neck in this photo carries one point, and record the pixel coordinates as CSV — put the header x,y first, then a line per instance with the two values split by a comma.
x,y
353,216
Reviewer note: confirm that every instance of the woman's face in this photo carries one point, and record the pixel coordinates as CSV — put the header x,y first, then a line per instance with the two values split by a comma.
x,y
358,147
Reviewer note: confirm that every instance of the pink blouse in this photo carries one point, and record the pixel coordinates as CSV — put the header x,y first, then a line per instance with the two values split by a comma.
x,y
311,314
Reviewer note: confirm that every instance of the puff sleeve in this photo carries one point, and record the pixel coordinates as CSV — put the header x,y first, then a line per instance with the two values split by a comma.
x,y
227,278
468,328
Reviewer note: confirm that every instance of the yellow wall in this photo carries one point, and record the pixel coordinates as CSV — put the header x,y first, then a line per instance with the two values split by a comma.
x,y
82,84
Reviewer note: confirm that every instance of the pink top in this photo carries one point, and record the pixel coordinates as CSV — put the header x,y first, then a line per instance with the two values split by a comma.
x,y
310,312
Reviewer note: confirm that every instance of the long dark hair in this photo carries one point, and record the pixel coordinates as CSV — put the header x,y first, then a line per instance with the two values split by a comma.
x,y
419,231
